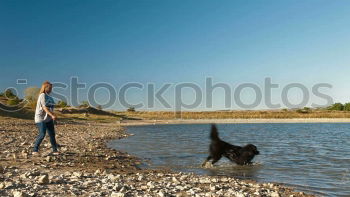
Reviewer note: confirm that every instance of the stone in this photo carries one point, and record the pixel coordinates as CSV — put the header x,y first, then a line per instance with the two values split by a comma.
x,y
8,184
139,178
143,187
213,187
161,194
34,173
77,174
150,185
123,189
181,194
112,177
117,187
275,194
179,187
97,172
24,154
23,176
238,194
44,179
175,180
204,180
48,159
19,194
117,194
104,181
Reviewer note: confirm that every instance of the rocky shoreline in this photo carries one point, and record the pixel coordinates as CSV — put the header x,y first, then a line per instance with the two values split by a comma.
x,y
86,167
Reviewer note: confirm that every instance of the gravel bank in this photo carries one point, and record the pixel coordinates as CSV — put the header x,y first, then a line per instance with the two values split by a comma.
x,y
86,167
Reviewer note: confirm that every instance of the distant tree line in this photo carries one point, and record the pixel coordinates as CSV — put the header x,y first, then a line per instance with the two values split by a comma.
x,y
31,95
340,107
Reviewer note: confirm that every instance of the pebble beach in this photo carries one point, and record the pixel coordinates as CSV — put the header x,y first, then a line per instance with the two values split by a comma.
x,y
86,167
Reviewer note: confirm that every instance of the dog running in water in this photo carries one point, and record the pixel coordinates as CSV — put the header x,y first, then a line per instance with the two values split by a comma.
x,y
237,154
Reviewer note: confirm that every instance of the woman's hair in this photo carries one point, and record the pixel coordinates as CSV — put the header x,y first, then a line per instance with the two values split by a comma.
x,y
46,87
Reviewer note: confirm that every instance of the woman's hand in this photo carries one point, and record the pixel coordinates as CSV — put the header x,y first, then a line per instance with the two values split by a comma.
x,y
53,117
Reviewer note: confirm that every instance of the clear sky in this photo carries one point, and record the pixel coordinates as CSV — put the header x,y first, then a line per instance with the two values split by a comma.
x,y
163,41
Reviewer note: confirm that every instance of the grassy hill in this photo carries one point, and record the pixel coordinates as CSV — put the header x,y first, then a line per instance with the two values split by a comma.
x,y
94,114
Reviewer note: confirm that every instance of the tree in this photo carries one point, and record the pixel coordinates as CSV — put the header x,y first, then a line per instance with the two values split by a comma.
x,y
131,109
84,104
337,106
31,95
9,94
308,109
11,98
303,111
347,107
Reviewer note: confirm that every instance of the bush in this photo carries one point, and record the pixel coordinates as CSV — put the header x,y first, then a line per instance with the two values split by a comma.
x,y
131,109
31,93
302,111
84,104
9,94
13,102
31,96
347,107
61,104
307,109
337,106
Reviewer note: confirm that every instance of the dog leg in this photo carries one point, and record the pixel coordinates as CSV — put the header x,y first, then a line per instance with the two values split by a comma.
x,y
216,159
208,158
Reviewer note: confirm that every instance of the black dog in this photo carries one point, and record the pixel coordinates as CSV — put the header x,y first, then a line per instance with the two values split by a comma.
x,y
218,148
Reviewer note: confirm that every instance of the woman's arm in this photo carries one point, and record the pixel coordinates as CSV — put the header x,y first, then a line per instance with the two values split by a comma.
x,y
49,113
42,102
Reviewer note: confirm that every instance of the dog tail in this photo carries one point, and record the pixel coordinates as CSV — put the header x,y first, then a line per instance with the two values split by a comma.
x,y
214,135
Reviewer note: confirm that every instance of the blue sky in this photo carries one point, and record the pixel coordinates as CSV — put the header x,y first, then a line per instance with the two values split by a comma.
x,y
149,41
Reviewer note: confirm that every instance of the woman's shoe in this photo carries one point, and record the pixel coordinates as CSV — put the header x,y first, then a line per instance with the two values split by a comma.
x,y
55,153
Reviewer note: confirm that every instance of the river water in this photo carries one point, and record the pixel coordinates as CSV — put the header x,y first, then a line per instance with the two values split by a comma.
x,y
313,157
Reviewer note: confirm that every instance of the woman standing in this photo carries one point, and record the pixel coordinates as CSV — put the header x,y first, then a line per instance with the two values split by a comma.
x,y
44,117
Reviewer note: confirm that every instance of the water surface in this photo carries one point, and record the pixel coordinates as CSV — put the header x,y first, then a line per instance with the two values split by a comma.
x,y
311,157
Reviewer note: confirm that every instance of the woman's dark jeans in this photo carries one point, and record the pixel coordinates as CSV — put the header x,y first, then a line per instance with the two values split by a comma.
x,y
50,127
